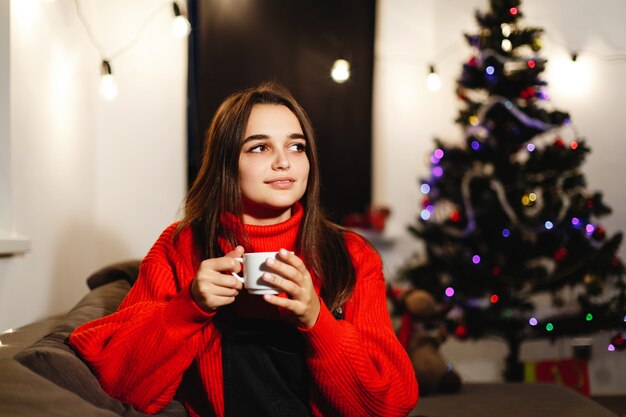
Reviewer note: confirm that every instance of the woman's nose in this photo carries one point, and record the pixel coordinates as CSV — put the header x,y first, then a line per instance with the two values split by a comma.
x,y
281,162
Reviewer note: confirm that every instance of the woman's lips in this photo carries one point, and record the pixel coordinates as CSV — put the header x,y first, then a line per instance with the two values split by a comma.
x,y
281,183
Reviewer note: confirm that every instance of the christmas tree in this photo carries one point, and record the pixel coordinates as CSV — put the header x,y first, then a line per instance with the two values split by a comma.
x,y
511,230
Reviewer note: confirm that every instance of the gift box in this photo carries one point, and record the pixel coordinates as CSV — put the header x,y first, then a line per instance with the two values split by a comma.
x,y
572,373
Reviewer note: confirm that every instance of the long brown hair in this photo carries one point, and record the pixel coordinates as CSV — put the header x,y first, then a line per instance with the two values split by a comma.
x,y
216,191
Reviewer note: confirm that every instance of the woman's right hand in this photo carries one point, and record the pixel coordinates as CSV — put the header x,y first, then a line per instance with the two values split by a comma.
x,y
214,286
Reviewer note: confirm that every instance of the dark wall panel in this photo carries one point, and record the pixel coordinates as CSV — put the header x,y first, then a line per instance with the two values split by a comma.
x,y
236,44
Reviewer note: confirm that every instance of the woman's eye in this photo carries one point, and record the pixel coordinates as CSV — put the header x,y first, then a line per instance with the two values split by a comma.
x,y
257,148
297,147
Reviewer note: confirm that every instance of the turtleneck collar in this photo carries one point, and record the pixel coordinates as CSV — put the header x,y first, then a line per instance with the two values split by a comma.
x,y
268,238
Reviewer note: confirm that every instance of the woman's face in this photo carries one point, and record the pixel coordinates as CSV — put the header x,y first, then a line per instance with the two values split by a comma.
x,y
273,165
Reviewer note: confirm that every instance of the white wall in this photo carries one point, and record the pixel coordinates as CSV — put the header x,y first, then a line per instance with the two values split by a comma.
x,y
410,35
92,181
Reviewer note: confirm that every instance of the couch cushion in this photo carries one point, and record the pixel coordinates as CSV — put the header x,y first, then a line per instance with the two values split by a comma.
x,y
25,394
52,358
127,270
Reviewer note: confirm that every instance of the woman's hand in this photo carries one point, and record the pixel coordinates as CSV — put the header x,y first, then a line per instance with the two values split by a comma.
x,y
214,286
294,279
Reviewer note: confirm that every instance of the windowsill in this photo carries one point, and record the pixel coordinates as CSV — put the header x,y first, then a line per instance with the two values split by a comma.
x,y
14,245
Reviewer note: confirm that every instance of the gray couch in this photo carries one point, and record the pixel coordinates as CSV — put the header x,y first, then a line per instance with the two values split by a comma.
x,y
41,376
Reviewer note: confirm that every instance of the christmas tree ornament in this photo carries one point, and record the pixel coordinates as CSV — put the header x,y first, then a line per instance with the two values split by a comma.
x,y
619,342
461,331
592,282
561,254
599,233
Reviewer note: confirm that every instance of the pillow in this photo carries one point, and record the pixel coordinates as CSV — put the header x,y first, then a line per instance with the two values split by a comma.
x,y
52,358
127,270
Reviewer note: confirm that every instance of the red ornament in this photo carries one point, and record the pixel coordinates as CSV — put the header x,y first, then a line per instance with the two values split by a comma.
x,y
599,234
513,11
531,64
496,271
527,93
472,61
616,262
573,145
461,331
425,201
455,216
619,342
560,254
559,143
589,203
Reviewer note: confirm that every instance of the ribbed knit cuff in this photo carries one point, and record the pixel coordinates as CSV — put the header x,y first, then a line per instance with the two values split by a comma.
x,y
185,309
325,329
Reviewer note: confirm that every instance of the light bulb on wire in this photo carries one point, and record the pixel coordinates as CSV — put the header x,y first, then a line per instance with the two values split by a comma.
x,y
433,82
340,71
108,85
180,26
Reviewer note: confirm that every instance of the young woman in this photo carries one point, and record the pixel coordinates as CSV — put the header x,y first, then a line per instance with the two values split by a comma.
x,y
324,346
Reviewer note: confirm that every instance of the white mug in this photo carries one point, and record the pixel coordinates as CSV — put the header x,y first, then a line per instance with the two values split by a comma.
x,y
253,269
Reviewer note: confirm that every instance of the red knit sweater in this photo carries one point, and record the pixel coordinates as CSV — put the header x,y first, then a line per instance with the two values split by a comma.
x,y
160,338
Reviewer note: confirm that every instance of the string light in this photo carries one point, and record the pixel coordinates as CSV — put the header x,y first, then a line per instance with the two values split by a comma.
x,y
180,25
507,47
340,71
506,29
108,85
433,81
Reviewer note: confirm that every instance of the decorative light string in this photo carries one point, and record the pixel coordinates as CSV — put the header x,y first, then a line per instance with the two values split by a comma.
x,y
108,86
575,54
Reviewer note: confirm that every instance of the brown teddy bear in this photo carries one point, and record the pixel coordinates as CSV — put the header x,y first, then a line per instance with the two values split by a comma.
x,y
421,332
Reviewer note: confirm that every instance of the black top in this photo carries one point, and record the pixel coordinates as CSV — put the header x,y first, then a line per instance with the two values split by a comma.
x,y
265,372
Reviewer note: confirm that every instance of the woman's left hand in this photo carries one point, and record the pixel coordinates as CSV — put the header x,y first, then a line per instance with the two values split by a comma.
x,y
294,279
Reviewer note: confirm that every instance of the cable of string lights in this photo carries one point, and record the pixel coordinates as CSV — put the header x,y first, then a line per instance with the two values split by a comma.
x,y
108,86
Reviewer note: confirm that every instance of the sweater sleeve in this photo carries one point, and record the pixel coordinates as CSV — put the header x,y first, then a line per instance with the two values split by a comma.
x,y
358,366
140,352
